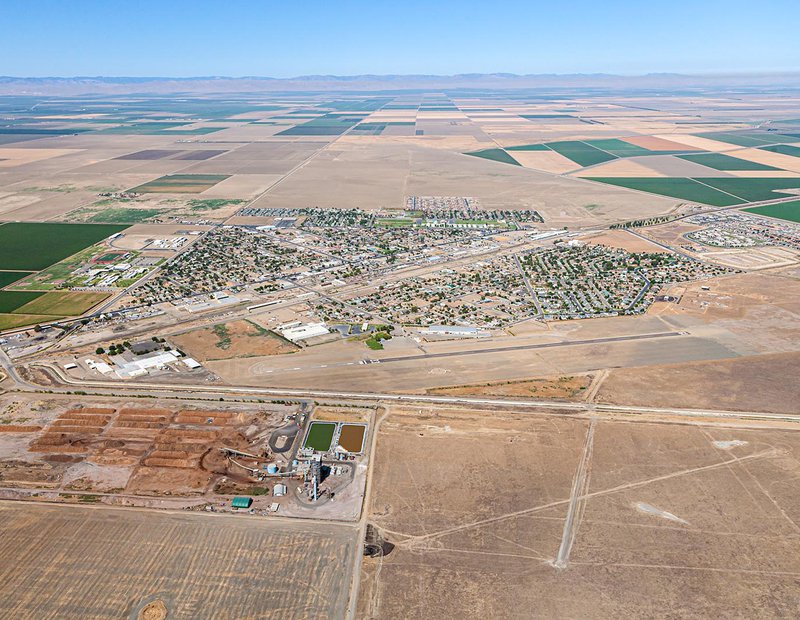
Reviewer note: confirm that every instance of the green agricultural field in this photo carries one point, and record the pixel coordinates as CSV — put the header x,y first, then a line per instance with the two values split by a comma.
x,y
212,204
620,148
720,161
58,303
11,300
683,188
180,184
320,436
754,190
10,321
35,246
748,138
528,147
581,153
9,277
495,155
789,211
130,216
330,124
783,149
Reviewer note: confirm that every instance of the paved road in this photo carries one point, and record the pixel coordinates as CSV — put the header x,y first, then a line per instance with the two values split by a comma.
x,y
120,388
526,347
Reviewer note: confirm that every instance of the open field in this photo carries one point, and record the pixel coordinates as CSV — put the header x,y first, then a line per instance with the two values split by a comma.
x,y
181,184
757,383
545,511
789,211
566,387
35,246
110,563
62,303
233,340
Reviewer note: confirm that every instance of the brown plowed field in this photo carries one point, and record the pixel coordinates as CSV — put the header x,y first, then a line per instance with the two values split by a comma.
x,y
109,563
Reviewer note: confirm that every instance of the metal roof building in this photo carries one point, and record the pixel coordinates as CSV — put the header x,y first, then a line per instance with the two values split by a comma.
x,y
242,502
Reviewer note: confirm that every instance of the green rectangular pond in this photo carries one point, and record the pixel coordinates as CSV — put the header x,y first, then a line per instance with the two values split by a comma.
x,y
320,436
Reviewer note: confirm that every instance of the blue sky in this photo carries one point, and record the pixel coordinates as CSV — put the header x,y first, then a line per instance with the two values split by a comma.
x,y
301,37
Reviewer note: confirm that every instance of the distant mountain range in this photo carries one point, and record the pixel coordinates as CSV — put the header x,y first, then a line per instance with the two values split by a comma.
x,y
80,85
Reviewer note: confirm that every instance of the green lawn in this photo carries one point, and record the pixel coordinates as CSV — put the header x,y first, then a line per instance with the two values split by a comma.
x,y
495,155
34,246
720,161
789,211
320,436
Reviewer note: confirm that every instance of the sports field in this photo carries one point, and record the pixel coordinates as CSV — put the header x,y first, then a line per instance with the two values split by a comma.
x,y
180,184
34,246
320,436
789,211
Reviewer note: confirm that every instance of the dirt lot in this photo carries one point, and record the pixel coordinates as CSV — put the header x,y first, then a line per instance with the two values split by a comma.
x,y
758,383
571,518
129,448
568,387
232,340
111,563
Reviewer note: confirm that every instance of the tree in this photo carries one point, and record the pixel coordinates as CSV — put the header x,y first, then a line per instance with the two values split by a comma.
x,y
99,350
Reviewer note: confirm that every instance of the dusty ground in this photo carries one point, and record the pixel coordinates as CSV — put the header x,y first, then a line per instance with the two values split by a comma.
x,y
643,519
568,387
233,340
111,563
759,383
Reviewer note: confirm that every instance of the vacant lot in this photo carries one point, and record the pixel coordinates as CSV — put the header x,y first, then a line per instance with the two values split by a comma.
x,y
567,387
109,563
526,516
757,383
232,340
34,246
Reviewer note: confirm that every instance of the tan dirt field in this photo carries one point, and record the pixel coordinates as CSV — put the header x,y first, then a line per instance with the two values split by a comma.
x,y
246,340
11,157
624,240
620,168
567,387
778,160
654,143
110,563
548,161
697,142
757,383
641,512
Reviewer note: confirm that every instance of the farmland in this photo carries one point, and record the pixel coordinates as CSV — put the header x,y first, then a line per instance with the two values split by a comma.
x,y
135,558
180,184
33,247
789,211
